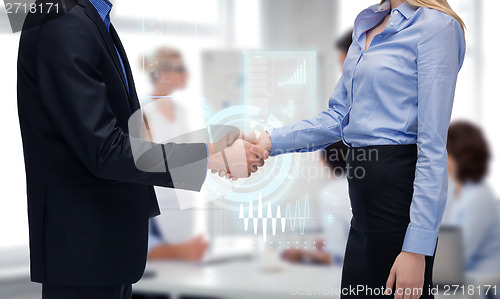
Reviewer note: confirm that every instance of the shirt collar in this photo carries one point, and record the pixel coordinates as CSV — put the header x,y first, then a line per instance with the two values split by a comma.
x,y
405,9
103,7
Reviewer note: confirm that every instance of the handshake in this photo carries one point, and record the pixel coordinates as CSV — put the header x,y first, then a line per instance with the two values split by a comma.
x,y
238,155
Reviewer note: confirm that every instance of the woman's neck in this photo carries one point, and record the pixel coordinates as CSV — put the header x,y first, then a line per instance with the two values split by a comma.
x,y
396,3
162,91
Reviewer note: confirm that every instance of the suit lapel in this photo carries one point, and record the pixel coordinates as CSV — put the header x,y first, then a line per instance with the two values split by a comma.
x,y
134,101
94,16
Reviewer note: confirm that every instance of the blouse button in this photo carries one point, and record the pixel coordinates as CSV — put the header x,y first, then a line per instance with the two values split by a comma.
x,y
392,23
396,12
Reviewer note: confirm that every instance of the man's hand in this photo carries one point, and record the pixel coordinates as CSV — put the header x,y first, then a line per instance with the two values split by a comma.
x,y
407,273
241,159
224,142
261,139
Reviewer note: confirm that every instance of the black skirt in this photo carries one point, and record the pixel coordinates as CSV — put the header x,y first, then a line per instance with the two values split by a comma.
x,y
381,190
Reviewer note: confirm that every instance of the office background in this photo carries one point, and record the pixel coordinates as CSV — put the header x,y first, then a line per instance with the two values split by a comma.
x,y
214,30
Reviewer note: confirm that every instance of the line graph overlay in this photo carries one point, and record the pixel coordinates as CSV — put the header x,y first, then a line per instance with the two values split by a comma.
x,y
297,216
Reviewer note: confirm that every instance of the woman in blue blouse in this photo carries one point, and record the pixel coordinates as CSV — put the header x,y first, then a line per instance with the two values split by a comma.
x,y
392,107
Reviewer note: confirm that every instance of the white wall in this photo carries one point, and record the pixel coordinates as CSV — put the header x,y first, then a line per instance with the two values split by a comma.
x,y
13,217
490,85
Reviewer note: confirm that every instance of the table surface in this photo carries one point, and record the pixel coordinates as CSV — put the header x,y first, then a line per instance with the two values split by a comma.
x,y
244,280
240,279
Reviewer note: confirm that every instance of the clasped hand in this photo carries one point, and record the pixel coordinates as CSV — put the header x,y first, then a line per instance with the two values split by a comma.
x,y
238,155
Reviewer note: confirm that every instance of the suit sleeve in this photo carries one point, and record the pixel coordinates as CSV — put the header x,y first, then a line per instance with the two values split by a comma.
x,y
74,93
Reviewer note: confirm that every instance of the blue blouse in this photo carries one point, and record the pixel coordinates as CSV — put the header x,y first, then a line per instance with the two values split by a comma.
x,y
399,91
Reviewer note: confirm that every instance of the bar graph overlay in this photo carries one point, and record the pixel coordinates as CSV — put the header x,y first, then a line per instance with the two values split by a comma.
x,y
299,77
280,74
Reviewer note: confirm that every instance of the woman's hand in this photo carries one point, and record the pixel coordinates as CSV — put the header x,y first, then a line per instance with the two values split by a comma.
x,y
408,274
264,140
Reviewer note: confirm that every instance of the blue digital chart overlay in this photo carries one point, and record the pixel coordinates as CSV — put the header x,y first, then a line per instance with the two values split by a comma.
x,y
273,181
282,85
298,217
281,82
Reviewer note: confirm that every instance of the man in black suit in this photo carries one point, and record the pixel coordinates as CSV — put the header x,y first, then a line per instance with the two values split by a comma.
x,y
88,203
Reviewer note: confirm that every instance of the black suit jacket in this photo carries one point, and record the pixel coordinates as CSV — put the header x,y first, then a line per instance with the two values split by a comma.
x,y
88,203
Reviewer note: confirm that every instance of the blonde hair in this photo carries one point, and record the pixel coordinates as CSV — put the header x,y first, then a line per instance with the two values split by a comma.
x,y
161,58
441,5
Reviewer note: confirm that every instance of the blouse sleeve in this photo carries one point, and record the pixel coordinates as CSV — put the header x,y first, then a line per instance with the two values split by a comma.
x,y
314,133
440,56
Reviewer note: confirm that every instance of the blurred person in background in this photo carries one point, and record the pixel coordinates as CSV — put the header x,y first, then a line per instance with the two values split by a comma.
x,y
167,71
334,198
168,76
158,248
471,203
335,213
342,46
